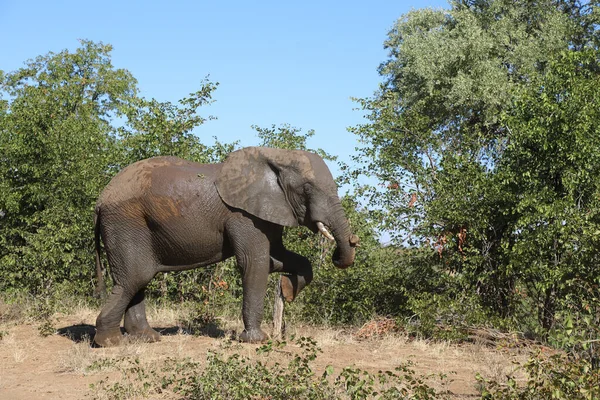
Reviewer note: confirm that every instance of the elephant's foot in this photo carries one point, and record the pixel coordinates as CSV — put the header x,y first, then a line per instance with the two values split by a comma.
x,y
109,338
287,287
253,336
147,335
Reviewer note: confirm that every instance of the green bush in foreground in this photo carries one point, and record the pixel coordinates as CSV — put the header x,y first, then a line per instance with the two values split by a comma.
x,y
239,377
556,377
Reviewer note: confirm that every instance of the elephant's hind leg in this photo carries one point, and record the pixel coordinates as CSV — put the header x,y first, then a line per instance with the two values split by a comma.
x,y
136,323
108,331
127,298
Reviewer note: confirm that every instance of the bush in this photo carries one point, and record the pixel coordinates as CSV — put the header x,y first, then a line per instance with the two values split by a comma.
x,y
555,377
239,377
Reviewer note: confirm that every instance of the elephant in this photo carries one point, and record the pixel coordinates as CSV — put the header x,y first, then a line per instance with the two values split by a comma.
x,y
168,214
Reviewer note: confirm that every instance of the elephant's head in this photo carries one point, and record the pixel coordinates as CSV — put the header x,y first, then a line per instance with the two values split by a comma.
x,y
289,188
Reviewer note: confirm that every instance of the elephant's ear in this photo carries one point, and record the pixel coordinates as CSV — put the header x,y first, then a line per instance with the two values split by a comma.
x,y
250,179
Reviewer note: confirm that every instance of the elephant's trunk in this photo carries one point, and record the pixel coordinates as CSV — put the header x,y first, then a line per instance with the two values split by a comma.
x,y
346,242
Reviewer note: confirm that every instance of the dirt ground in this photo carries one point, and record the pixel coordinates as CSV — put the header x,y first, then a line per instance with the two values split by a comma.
x,y
57,366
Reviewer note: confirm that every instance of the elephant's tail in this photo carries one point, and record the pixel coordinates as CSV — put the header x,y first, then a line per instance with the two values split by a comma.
x,y
100,285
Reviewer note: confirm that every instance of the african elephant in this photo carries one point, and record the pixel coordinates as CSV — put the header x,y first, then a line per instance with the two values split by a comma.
x,y
168,214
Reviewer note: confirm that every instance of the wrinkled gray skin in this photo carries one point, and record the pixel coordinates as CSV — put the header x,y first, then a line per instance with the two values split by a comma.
x,y
168,214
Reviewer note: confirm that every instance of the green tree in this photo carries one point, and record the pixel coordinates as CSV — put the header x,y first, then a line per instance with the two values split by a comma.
x,y
58,150
288,137
162,128
69,122
483,140
552,166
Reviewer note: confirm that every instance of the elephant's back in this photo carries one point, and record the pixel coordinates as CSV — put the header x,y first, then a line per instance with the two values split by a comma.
x,y
164,192
141,178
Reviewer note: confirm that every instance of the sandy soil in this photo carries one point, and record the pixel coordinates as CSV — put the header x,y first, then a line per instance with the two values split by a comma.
x,y
57,366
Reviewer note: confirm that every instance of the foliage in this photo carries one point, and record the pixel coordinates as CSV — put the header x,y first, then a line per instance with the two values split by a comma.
x,y
554,148
43,311
578,327
161,128
59,151
288,137
68,122
482,139
239,377
554,377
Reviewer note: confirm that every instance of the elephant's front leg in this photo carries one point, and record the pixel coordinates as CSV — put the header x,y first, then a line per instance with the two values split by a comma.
x,y
298,271
251,249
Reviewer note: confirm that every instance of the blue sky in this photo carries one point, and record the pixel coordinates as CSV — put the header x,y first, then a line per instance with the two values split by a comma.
x,y
277,62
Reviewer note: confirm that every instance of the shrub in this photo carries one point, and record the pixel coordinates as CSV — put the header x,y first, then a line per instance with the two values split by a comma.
x,y
239,377
555,377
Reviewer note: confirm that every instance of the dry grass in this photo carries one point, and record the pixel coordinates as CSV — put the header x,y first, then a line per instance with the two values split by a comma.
x,y
81,311
13,312
494,364
77,358
82,358
460,362
166,316
16,349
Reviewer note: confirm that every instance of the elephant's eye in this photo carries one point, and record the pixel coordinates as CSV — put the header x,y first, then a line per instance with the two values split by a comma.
x,y
308,189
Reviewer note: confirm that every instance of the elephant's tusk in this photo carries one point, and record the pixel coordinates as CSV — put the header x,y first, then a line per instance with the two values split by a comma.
x,y
324,231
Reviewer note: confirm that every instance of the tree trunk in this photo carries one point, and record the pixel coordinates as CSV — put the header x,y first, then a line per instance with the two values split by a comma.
x,y
549,309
